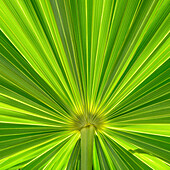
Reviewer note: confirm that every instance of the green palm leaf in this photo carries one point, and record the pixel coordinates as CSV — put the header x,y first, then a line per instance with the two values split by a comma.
x,y
84,84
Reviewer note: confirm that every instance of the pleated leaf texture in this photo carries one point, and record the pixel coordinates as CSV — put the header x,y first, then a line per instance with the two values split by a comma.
x,y
66,65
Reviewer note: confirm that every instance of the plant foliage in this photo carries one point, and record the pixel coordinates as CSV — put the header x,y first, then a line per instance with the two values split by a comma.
x,y
70,64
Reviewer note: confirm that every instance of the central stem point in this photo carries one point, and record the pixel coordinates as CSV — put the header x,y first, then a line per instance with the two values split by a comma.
x,y
87,136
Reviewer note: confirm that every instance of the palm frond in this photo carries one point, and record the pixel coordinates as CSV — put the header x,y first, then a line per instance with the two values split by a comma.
x,y
74,69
